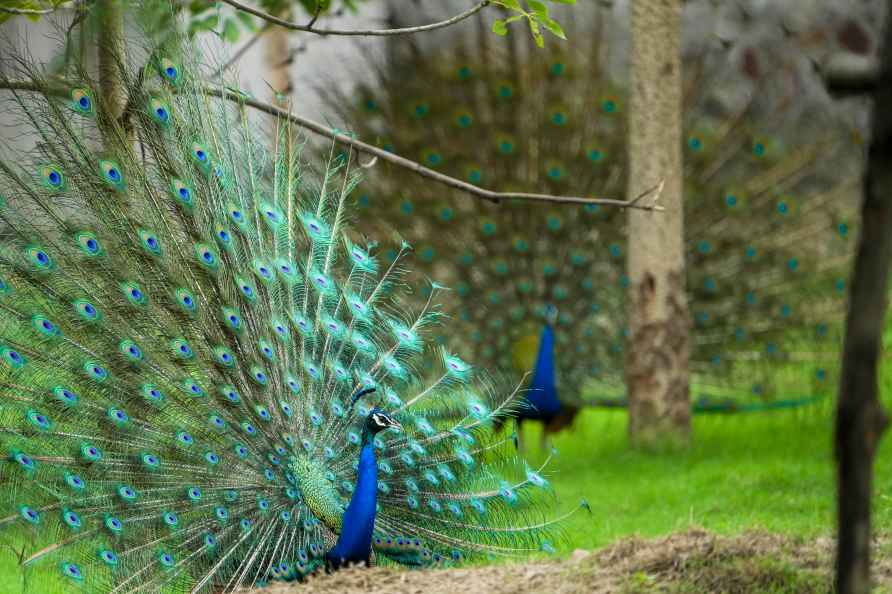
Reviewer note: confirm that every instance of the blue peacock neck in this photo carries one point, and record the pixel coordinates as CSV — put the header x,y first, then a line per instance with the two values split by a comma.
x,y
543,391
354,543
355,540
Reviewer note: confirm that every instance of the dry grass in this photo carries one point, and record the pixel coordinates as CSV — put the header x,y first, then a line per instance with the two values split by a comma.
x,y
691,562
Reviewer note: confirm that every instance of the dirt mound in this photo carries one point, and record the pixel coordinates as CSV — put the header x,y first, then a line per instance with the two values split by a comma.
x,y
692,562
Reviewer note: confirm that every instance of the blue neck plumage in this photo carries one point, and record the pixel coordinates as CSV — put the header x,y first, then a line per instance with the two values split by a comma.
x,y
543,392
355,541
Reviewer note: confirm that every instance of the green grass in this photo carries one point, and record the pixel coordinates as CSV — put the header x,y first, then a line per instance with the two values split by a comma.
x,y
770,470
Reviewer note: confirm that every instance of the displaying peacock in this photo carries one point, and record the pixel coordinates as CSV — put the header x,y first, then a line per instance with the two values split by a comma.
x,y
541,291
207,380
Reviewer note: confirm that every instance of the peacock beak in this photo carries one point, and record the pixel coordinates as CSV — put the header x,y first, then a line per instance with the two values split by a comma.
x,y
393,424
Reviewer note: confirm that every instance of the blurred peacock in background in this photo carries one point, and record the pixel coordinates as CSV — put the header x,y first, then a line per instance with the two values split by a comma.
x,y
540,290
207,381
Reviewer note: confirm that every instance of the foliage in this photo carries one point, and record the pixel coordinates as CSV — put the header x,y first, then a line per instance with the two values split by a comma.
x,y
230,23
201,16
30,9
206,17
536,15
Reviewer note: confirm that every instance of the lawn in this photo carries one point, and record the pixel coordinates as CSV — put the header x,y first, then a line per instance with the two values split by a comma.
x,y
769,470
763,482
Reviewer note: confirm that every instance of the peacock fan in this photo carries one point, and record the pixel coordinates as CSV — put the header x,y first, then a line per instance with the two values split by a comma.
x,y
207,380
770,201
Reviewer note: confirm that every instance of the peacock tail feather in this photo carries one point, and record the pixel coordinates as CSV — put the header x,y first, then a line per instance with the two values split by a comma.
x,y
769,206
192,338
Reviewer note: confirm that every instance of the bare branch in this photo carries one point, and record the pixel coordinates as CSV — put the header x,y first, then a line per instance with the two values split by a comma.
x,y
309,28
637,203
315,16
423,171
655,192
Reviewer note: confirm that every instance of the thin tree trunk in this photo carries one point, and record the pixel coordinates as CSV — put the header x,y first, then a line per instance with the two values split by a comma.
x,y
659,322
277,55
110,46
860,418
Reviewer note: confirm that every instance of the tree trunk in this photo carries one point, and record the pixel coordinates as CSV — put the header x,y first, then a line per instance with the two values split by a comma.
x,y
659,322
111,58
278,58
860,418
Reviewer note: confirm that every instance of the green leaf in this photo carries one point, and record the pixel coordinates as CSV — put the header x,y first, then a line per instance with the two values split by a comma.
x,y
246,19
537,33
553,26
28,5
208,23
230,31
564,1
197,7
499,27
311,6
510,4
538,7
199,25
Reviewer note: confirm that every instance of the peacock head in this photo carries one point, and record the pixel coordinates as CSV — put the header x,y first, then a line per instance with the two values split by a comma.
x,y
551,313
379,420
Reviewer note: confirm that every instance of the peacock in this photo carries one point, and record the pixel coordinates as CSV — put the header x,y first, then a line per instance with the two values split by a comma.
x,y
208,380
540,291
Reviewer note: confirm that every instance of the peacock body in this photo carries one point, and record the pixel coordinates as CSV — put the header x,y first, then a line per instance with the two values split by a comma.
x,y
769,205
207,380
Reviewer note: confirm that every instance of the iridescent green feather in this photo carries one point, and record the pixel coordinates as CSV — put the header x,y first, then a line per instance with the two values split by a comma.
x,y
175,402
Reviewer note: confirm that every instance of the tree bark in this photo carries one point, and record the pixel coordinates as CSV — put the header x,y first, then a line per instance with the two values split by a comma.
x,y
860,418
111,58
277,55
659,322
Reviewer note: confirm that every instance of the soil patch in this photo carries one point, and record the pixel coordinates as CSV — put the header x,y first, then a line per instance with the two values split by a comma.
x,y
692,562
